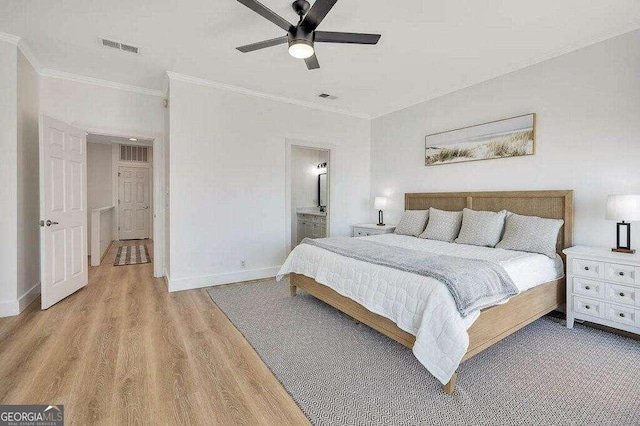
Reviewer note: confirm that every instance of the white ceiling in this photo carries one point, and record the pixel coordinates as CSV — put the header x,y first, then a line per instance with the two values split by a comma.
x,y
428,48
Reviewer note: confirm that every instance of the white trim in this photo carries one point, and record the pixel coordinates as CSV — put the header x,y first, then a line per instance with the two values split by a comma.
x,y
46,72
31,57
9,308
13,39
219,279
249,92
26,299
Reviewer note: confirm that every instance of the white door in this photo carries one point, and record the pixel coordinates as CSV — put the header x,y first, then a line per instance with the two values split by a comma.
x,y
133,198
63,210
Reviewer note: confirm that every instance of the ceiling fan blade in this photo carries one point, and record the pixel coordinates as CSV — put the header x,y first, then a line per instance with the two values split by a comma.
x,y
262,44
267,13
312,62
355,38
317,13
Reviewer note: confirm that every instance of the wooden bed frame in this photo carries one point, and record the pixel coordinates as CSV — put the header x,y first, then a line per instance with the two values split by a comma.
x,y
494,323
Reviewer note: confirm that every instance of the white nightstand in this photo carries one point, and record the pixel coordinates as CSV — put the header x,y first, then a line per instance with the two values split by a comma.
x,y
603,287
372,229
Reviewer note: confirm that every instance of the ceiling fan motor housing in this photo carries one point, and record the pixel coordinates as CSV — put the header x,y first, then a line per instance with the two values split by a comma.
x,y
300,35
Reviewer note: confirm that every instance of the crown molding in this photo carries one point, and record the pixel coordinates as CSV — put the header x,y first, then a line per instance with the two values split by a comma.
x,y
46,72
249,92
10,38
599,38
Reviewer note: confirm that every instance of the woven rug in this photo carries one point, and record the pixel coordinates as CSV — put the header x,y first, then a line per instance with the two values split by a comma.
x,y
132,255
340,372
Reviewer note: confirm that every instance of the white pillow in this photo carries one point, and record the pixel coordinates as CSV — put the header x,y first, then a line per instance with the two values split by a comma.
x,y
412,222
481,228
531,234
443,225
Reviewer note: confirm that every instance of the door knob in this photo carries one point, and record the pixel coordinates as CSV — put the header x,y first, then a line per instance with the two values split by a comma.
x,y
146,207
49,223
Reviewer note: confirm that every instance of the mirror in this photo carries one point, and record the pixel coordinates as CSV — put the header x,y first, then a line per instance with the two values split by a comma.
x,y
322,190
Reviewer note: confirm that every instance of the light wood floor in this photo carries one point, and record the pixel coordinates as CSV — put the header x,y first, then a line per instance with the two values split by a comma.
x,y
125,351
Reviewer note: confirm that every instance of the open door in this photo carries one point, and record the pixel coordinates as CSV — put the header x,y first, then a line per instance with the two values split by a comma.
x,y
63,210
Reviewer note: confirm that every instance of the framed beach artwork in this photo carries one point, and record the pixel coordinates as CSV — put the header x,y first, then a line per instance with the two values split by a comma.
x,y
511,137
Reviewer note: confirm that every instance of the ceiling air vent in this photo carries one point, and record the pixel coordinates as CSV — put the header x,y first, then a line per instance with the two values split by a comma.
x,y
327,96
120,46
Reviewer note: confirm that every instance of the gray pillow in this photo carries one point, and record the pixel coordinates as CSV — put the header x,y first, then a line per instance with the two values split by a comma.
x,y
443,225
412,222
481,228
531,234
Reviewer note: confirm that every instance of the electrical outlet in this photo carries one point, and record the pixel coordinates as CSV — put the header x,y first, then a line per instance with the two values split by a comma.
x,y
243,264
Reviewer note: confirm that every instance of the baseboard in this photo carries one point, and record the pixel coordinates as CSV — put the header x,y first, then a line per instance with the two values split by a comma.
x,y
219,279
31,295
9,308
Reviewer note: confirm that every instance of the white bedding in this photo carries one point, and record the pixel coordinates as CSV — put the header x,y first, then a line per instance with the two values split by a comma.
x,y
418,305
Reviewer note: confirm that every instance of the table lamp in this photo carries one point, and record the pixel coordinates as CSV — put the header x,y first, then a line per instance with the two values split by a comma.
x,y
380,203
624,208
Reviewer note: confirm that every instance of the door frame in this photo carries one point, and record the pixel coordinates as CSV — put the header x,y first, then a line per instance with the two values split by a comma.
x,y
115,170
321,146
158,184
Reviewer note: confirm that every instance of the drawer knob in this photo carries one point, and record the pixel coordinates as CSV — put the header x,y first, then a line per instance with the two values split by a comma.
x,y
621,294
621,274
587,307
586,268
587,287
622,314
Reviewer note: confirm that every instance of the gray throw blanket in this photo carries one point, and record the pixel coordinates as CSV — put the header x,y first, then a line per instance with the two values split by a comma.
x,y
474,284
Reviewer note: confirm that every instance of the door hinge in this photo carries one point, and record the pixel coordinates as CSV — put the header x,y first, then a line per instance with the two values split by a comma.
x,y
118,200
118,228
118,174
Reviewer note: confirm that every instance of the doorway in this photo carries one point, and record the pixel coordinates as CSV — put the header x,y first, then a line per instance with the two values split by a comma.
x,y
134,219
65,210
310,208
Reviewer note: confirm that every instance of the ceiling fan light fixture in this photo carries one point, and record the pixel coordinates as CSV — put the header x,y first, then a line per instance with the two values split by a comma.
x,y
301,49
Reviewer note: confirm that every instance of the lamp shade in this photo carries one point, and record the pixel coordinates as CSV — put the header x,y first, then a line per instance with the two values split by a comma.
x,y
380,203
623,207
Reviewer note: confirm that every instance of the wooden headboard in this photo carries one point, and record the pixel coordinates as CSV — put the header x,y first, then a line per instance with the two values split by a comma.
x,y
548,204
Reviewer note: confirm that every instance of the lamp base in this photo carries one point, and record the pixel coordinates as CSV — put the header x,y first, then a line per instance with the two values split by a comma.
x,y
380,224
624,250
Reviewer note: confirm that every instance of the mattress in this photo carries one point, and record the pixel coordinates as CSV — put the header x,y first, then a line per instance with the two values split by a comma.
x,y
419,305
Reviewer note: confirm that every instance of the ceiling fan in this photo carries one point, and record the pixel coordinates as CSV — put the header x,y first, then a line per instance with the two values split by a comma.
x,y
301,37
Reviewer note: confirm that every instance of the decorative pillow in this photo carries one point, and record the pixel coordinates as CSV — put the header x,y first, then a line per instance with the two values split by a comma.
x,y
481,228
443,225
412,222
531,234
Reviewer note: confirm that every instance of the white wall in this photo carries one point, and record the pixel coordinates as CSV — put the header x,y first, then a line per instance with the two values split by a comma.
x,y
8,177
588,108
28,215
304,181
227,180
99,180
96,107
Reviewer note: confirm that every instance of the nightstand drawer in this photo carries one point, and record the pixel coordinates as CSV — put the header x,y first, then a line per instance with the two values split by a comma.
x,y
586,306
587,268
622,314
622,294
361,233
620,273
588,288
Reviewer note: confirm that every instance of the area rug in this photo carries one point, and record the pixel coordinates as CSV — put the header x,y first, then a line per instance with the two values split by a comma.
x,y
132,255
340,372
